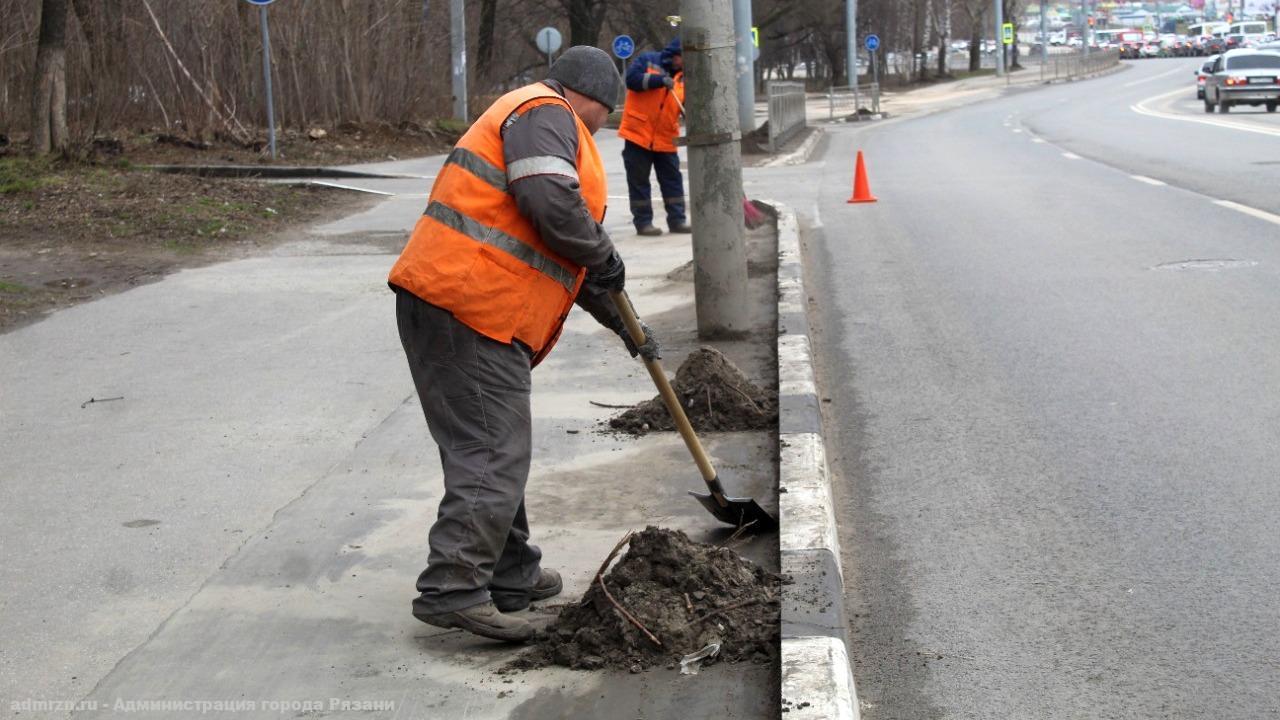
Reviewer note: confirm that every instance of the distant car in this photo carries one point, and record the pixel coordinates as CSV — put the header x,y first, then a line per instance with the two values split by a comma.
x,y
1215,46
1150,50
1202,75
1243,77
1272,46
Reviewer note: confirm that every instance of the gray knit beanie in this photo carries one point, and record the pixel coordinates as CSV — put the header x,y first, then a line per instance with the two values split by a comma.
x,y
590,71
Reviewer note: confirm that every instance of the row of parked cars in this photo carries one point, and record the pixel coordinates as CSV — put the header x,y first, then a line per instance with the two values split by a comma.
x,y
1240,77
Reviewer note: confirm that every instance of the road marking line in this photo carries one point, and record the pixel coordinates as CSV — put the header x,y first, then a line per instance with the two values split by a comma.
x,y
1036,140
1147,180
342,186
1260,214
1142,109
1017,130
1154,77
1070,156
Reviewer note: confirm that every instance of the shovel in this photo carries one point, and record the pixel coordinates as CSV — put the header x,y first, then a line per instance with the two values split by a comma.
x,y
739,512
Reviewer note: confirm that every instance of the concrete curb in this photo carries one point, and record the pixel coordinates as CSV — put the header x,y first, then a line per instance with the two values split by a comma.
x,y
800,154
817,677
274,171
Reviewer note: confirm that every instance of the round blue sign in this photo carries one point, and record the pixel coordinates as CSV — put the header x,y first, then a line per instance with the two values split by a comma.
x,y
624,47
873,42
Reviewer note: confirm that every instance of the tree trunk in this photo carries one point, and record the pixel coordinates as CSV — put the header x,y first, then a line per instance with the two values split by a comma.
x,y
49,95
484,44
975,45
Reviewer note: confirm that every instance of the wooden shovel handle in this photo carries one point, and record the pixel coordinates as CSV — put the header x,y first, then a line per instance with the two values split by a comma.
x,y
628,313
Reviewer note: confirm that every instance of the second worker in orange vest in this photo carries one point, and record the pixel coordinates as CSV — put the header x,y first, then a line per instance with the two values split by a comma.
x,y
650,126
510,240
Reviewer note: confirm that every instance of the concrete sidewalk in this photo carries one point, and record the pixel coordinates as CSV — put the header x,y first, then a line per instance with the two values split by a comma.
x,y
246,524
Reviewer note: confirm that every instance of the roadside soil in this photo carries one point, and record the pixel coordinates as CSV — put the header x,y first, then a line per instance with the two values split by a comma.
x,y
715,395
72,232
346,144
686,595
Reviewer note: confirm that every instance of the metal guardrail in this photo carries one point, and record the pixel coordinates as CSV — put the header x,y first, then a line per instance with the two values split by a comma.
x,y
845,100
786,111
1067,66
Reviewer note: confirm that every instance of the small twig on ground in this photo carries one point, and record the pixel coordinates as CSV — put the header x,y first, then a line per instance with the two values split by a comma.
x,y
738,533
688,603
90,401
609,596
710,412
746,397
611,407
725,609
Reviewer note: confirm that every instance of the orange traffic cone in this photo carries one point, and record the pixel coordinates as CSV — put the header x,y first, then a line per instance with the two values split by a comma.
x,y
861,188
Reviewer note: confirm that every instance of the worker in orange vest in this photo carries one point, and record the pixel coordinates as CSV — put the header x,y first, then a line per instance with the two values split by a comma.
x,y
510,240
650,126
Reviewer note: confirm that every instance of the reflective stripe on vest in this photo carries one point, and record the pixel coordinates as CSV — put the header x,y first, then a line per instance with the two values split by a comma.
x,y
493,237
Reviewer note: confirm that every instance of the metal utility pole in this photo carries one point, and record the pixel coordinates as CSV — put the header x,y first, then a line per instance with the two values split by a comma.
x,y
999,38
1084,28
746,65
715,168
851,47
1044,36
266,78
458,44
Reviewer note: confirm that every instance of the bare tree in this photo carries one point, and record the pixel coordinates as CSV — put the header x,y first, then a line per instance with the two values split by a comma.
x,y
49,96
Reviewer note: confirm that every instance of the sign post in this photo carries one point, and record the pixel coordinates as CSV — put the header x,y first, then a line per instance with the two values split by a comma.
x,y
873,44
548,42
266,73
623,47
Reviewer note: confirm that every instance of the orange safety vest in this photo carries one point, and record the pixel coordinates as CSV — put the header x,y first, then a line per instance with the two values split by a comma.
x,y
650,118
473,253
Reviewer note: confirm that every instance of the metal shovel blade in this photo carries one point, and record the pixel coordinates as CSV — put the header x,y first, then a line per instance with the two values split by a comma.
x,y
739,512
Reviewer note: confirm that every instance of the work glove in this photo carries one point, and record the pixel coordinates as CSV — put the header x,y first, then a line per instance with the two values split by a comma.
x,y
669,81
650,350
611,276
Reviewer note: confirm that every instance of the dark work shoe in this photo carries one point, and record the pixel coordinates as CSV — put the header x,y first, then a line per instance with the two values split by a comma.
x,y
648,231
508,601
681,228
483,620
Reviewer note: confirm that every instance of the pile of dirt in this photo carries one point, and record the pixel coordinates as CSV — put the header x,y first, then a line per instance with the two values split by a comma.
x,y
687,594
715,394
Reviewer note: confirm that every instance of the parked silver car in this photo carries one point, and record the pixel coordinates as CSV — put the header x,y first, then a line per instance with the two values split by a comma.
x,y
1243,77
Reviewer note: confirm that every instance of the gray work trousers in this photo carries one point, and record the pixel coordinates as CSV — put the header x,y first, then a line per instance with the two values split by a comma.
x,y
475,395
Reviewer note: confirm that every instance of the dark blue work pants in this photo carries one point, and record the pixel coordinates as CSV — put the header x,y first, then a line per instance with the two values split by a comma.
x,y
638,160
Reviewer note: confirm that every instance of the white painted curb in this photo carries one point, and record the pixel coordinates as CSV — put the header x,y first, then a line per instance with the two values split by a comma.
x,y
817,676
800,154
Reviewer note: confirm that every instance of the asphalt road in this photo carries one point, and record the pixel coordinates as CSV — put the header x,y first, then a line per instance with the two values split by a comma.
x,y
1054,372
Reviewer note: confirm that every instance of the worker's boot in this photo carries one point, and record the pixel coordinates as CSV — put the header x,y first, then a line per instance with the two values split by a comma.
x,y
508,601
483,620
680,227
648,231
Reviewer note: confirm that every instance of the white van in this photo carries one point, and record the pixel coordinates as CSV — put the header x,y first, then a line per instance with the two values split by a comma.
x,y
1253,31
1208,29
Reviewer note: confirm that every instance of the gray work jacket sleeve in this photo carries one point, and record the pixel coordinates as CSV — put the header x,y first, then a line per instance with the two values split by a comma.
x,y
540,147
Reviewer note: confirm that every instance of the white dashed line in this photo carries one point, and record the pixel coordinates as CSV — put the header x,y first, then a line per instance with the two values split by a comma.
x,y
1017,130
1147,180
1254,212
1037,140
1070,156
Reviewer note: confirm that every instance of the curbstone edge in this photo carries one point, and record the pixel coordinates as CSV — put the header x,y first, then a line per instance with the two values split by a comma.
x,y
817,676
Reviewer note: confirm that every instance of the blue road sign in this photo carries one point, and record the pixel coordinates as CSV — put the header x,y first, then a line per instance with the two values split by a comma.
x,y
624,47
873,42
260,2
